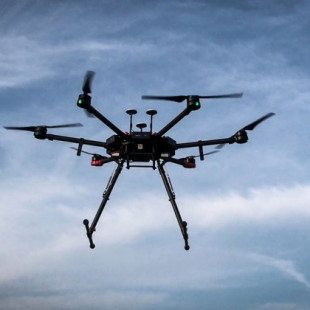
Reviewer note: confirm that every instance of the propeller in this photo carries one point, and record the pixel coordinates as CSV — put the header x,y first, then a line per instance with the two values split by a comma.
x,y
33,128
205,154
241,135
182,97
85,99
88,80
93,154
220,146
258,121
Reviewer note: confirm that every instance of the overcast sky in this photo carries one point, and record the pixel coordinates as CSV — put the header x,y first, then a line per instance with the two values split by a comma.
x,y
247,207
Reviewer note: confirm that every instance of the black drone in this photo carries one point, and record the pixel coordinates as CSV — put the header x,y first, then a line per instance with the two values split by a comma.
x,y
141,148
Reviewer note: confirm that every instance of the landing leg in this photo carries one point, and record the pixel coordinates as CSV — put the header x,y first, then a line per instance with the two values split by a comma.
x,y
92,228
168,186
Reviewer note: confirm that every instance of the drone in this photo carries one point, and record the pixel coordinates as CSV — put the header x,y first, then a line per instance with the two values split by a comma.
x,y
141,148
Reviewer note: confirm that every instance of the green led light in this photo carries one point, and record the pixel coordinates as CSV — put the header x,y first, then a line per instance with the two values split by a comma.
x,y
197,103
80,101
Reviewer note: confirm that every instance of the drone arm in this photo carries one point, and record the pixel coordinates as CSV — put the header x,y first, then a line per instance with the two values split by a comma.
x,y
239,137
201,143
177,161
184,113
82,141
108,160
102,118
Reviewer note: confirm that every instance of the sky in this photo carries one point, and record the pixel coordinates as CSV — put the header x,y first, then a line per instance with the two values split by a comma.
x,y
247,206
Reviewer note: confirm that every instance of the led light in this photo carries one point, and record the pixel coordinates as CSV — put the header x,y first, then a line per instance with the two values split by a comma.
x,y
197,103
80,101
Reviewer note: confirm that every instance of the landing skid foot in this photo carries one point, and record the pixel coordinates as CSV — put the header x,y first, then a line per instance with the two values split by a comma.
x,y
89,234
185,235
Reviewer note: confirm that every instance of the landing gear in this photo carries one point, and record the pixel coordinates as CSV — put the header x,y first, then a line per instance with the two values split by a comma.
x,y
89,234
182,224
186,247
90,230
171,195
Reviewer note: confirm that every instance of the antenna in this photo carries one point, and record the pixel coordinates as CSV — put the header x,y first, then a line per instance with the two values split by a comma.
x,y
151,113
131,112
141,126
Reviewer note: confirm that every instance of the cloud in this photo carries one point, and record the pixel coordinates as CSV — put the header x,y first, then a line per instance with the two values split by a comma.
x,y
163,48
19,61
256,205
25,60
134,216
286,267
54,209
281,306
108,299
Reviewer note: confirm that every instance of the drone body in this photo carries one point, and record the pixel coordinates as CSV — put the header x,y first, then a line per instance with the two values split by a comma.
x,y
140,148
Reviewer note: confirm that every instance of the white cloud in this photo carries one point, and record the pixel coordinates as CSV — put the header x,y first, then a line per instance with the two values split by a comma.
x,y
286,267
257,205
47,218
281,306
24,60
107,299
137,215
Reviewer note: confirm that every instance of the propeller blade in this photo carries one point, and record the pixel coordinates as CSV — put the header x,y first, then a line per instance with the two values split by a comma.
x,y
88,153
251,126
76,149
170,98
88,114
255,123
235,95
206,154
65,125
29,128
220,146
88,79
33,128
182,98
210,153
